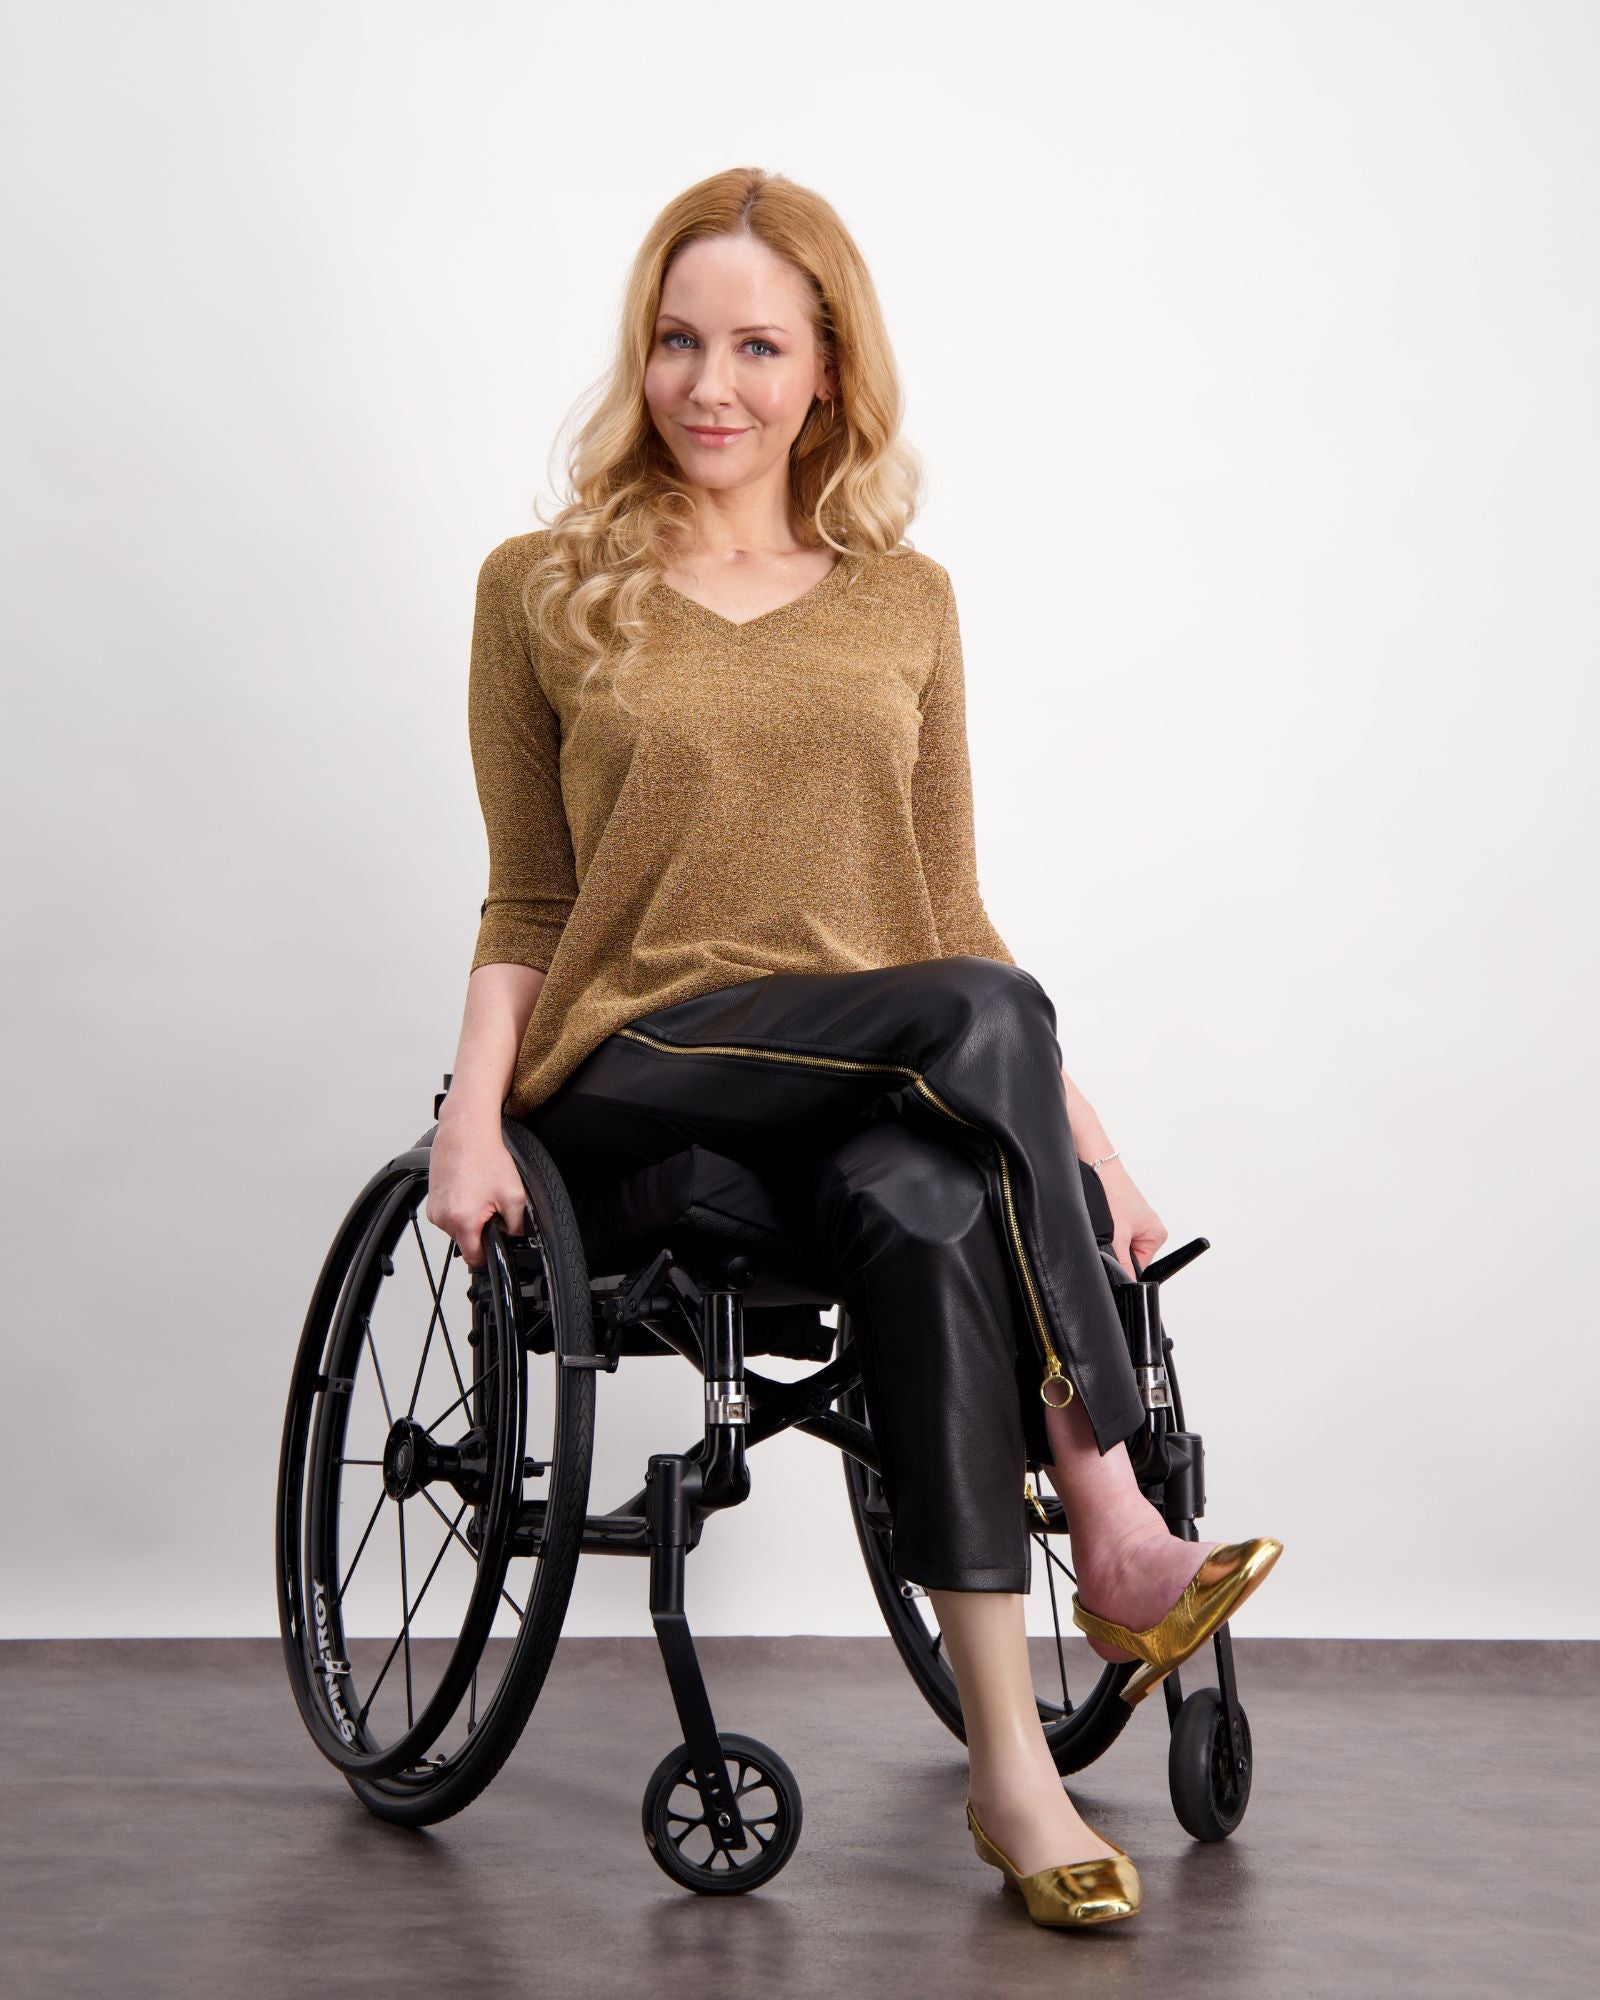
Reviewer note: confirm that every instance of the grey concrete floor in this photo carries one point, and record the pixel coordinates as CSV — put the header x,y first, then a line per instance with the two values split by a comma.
x,y
1424,1821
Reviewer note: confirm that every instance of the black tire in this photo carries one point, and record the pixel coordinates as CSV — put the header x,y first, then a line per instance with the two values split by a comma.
x,y
500,1614
1078,1730
1209,1794
680,1840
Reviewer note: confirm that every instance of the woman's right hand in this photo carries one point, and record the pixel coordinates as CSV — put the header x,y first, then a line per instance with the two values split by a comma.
x,y
471,1176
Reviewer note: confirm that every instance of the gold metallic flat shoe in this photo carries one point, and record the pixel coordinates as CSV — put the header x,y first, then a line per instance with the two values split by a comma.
x,y
1215,1591
1076,1892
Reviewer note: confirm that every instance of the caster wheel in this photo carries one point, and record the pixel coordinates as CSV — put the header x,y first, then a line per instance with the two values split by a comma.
x,y
678,1832
1209,1794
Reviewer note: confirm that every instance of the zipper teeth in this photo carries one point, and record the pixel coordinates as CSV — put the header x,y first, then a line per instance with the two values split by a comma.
x,y
1055,1369
1011,1218
768,1055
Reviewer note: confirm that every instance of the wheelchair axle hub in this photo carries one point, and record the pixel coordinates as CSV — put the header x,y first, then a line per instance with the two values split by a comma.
x,y
412,1459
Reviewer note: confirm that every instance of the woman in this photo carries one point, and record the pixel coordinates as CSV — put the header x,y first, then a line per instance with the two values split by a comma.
x,y
718,728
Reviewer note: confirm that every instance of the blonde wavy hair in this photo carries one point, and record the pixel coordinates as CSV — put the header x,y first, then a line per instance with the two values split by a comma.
x,y
856,483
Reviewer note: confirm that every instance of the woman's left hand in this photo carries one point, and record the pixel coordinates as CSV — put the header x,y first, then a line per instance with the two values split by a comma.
x,y
1140,1232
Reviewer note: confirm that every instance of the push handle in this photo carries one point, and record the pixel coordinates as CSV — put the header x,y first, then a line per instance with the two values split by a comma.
x,y
1163,1267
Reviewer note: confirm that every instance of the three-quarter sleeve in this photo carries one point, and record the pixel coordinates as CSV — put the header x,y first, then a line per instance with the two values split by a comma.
x,y
515,739
941,803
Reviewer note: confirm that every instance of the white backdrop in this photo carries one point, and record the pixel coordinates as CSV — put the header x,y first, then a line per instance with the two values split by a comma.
x,y
1251,349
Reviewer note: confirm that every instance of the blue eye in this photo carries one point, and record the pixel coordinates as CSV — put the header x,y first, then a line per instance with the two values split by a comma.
x,y
755,340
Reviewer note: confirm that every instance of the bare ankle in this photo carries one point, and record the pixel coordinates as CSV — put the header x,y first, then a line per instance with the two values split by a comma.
x,y
1108,1549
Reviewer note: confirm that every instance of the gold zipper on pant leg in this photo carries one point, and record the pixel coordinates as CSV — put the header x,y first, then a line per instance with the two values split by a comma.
x,y
1054,1372
765,1055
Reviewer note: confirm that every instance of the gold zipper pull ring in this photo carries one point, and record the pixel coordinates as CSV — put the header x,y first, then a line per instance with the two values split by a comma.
x,y
1055,1373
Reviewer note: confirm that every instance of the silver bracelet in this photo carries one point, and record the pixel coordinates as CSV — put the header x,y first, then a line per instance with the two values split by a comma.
x,y
1098,1164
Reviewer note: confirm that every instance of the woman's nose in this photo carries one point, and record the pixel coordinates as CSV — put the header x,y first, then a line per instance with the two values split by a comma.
x,y
714,382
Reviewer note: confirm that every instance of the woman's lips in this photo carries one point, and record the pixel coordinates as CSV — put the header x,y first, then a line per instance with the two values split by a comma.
x,y
716,439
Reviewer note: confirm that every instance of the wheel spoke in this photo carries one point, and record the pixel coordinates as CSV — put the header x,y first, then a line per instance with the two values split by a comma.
x,y
382,1391
405,1629
438,1306
416,1387
350,1572
456,1405
471,1551
1055,1613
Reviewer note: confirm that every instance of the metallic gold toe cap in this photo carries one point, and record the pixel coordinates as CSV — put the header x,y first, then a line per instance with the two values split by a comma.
x,y
1083,1892
1072,1893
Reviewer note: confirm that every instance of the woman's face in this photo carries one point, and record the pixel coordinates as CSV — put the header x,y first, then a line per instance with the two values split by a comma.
x,y
733,351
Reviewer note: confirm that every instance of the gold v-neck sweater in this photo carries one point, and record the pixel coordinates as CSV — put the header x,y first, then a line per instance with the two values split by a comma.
x,y
790,794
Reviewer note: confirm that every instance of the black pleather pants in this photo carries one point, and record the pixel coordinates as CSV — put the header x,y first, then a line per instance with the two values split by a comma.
x,y
923,1104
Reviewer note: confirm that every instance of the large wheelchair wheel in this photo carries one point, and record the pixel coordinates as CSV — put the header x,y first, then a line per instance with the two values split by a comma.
x,y
432,1486
1078,1730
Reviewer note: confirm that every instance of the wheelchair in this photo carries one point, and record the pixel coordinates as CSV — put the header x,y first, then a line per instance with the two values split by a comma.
x,y
433,1492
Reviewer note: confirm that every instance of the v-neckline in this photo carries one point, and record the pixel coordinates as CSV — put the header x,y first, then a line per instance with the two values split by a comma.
x,y
823,587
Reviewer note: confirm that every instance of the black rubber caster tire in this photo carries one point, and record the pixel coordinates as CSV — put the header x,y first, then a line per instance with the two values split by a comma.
x,y
1208,1796
771,1834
